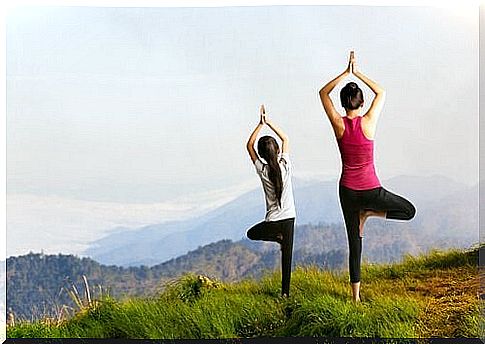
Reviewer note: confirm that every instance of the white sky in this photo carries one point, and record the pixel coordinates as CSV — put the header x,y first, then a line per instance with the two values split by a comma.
x,y
145,105
141,104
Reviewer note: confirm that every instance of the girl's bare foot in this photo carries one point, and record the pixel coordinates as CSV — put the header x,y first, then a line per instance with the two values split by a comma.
x,y
279,238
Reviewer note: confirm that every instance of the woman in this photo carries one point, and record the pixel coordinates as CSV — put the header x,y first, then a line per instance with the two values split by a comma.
x,y
360,191
275,174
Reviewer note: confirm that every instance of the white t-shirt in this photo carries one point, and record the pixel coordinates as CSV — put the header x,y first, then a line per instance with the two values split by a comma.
x,y
287,209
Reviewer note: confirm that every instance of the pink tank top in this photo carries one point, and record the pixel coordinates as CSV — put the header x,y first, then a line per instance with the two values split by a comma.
x,y
357,153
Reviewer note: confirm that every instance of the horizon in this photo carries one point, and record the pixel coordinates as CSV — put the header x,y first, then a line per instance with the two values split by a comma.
x,y
216,199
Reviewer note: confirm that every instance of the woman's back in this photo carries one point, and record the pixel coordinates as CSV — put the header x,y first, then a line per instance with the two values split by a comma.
x,y
357,154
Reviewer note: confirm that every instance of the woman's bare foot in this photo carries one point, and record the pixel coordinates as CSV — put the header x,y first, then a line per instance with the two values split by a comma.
x,y
363,215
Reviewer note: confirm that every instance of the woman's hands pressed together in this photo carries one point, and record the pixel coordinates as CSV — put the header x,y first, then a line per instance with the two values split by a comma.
x,y
350,67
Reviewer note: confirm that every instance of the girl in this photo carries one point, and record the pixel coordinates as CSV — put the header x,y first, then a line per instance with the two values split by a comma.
x,y
360,191
275,174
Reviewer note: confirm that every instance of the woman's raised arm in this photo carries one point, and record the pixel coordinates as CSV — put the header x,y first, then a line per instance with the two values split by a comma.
x,y
372,115
332,114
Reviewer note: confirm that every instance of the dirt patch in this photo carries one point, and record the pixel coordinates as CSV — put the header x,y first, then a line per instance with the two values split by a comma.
x,y
448,298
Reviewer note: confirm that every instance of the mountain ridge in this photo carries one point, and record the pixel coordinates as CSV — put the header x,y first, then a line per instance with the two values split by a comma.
x,y
316,202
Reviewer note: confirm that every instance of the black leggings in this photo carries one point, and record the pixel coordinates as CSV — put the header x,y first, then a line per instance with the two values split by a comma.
x,y
281,232
378,199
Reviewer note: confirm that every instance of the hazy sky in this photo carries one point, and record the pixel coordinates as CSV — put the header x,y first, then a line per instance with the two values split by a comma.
x,y
147,105
139,104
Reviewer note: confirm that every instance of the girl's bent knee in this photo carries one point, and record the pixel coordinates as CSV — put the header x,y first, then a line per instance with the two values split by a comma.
x,y
250,234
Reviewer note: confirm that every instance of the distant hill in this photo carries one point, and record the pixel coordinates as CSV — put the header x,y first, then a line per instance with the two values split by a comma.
x,y
436,198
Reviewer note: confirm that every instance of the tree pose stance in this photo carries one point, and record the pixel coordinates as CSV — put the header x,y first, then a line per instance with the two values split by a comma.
x,y
275,173
360,191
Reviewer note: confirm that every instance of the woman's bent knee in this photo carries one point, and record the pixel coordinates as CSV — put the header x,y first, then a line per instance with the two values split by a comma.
x,y
410,211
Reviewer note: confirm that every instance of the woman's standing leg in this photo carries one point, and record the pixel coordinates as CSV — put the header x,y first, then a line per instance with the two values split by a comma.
x,y
349,201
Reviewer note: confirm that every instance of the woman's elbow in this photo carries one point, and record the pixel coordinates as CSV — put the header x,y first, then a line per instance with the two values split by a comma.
x,y
324,93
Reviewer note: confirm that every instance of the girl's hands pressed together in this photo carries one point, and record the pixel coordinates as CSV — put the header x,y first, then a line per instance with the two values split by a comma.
x,y
262,115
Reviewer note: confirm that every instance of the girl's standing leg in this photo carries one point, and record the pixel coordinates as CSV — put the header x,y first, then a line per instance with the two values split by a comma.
x,y
281,232
286,255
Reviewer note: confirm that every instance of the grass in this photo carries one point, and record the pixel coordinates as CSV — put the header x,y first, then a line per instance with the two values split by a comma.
x,y
433,295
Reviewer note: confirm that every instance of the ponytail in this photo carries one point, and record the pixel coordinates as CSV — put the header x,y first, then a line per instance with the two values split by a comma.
x,y
274,175
268,149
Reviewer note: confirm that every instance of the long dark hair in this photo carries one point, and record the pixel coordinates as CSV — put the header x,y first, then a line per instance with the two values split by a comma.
x,y
351,96
268,149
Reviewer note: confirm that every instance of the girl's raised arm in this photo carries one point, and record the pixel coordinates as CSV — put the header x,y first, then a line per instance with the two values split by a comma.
x,y
284,138
254,135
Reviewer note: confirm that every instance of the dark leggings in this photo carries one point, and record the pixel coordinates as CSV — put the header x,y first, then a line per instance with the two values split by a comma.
x,y
378,199
281,232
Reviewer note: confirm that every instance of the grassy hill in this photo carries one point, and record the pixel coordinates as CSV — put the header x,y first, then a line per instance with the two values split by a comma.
x,y
36,283
426,296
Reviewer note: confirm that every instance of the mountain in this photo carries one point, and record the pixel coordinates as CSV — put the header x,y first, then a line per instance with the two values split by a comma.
x,y
316,202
